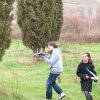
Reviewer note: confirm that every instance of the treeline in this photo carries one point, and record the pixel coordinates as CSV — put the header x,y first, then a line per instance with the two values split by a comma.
x,y
81,29
82,25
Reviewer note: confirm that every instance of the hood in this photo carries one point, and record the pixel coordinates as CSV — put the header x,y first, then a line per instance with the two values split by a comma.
x,y
58,49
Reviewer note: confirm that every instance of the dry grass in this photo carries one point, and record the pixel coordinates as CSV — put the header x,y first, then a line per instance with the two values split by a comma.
x,y
78,38
3,90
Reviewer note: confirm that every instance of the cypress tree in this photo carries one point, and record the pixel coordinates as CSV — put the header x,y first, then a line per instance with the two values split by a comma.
x,y
5,21
34,18
57,19
38,22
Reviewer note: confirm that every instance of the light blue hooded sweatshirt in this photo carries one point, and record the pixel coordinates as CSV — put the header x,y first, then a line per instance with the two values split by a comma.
x,y
55,61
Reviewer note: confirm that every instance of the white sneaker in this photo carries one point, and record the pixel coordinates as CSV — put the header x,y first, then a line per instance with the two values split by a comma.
x,y
61,96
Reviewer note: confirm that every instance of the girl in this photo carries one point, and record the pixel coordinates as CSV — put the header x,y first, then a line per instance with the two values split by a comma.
x,y
83,72
56,68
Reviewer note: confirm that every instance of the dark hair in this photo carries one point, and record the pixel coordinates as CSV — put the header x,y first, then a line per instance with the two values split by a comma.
x,y
89,56
52,43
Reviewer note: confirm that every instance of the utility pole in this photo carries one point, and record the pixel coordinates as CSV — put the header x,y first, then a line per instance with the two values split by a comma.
x,y
89,27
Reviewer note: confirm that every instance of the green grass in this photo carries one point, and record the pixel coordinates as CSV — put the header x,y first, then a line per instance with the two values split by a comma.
x,y
27,82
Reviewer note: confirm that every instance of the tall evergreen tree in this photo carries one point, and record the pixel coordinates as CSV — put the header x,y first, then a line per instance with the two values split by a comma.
x,y
5,20
36,22
57,19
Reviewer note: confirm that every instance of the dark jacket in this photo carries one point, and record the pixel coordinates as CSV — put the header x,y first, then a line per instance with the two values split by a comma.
x,y
86,84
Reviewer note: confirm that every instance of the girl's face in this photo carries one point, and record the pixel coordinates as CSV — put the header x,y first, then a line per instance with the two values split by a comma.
x,y
85,58
50,47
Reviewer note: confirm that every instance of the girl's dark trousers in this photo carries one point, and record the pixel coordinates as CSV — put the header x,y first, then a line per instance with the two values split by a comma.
x,y
86,87
88,95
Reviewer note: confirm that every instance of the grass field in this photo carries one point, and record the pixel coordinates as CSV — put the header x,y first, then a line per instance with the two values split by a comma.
x,y
21,79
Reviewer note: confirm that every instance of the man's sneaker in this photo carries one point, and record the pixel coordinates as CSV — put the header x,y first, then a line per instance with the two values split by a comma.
x,y
61,96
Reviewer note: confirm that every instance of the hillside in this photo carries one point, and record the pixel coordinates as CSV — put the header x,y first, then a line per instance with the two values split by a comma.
x,y
81,1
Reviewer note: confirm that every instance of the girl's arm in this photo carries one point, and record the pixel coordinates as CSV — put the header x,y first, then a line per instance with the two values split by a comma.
x,y
93,70
80,74
52,59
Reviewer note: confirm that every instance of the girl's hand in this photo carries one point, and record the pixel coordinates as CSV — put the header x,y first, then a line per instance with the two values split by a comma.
x,y
87,76
47,50
42,56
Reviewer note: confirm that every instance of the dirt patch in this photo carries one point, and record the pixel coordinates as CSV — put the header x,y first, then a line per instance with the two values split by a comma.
x,y
27,62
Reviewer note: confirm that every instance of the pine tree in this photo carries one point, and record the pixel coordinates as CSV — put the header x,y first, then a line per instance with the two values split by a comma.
x,y
5,20
36,22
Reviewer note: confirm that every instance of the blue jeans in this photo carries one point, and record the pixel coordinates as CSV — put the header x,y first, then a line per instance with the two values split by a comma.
x,y
51,82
